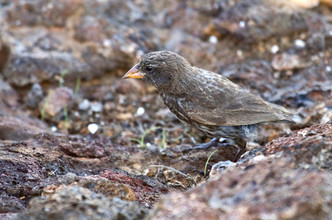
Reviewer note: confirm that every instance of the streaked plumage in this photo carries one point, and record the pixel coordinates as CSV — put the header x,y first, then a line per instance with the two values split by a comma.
x,y
204,99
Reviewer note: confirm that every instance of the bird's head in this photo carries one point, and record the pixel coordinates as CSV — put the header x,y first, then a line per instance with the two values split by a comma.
x,y
161,68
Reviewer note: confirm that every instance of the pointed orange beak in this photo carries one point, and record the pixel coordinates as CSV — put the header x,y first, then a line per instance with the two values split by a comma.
x,y
134,73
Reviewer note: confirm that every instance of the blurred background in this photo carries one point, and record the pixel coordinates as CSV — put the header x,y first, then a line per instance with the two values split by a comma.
x,y
61,62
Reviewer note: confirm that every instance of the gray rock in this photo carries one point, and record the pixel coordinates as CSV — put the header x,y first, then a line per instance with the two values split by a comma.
x,y
75,202
34,96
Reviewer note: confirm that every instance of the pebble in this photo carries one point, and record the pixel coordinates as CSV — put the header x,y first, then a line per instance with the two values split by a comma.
x,y
107,43
239,53
242,24
93,128
96,106
286,61
84,105
140,111
299,43
274,49
213,39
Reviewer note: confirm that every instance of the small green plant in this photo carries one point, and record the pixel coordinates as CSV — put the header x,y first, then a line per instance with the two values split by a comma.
x,y
207,161
62,77
141,141
42,113
77,86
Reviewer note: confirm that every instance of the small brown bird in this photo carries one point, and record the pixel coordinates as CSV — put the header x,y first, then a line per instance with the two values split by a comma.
x,y
206,100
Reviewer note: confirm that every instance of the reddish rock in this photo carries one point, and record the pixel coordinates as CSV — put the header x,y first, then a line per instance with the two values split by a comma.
x,y
310,147
79,148
268,189
108,188
147,190
20,128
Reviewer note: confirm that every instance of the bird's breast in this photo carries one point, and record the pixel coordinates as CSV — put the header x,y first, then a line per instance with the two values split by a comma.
x,y
175,105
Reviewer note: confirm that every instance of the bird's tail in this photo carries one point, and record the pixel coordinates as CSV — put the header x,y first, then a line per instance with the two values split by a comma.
x,y
284,114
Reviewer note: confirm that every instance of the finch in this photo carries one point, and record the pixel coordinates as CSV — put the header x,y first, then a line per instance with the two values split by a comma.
x,y
206,100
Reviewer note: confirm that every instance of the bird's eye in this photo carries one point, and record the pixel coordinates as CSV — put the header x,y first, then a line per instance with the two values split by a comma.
x,y
149,68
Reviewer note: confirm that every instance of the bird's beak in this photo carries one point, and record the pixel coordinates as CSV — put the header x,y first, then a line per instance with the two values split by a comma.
x,y
134,73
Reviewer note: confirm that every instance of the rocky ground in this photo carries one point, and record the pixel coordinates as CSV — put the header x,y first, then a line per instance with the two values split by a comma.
x,y
77,142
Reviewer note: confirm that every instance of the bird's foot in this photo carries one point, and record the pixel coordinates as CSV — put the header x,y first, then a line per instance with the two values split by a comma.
x,y
215,142
211,143
239,152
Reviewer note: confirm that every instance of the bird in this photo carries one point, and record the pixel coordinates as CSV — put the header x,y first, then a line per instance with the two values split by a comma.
x,y
207,100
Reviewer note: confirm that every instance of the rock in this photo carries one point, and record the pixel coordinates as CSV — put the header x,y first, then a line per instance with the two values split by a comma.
x,y
8,98
40,165
20,128
256,20
75,202
34,96
96,107
24,69
311,147
84,105
10,203
286,61
108,188
50,46
317,41
256,74
269,189
48,13
83,149
57,99
147,190
288,179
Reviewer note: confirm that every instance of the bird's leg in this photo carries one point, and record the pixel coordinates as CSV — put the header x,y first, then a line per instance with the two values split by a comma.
x,y
240,145
211,143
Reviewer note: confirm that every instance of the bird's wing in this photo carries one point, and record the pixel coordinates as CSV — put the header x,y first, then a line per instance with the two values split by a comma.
x,y
231,106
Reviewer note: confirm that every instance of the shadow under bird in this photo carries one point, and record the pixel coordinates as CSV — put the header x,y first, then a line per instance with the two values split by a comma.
x,y
207,100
